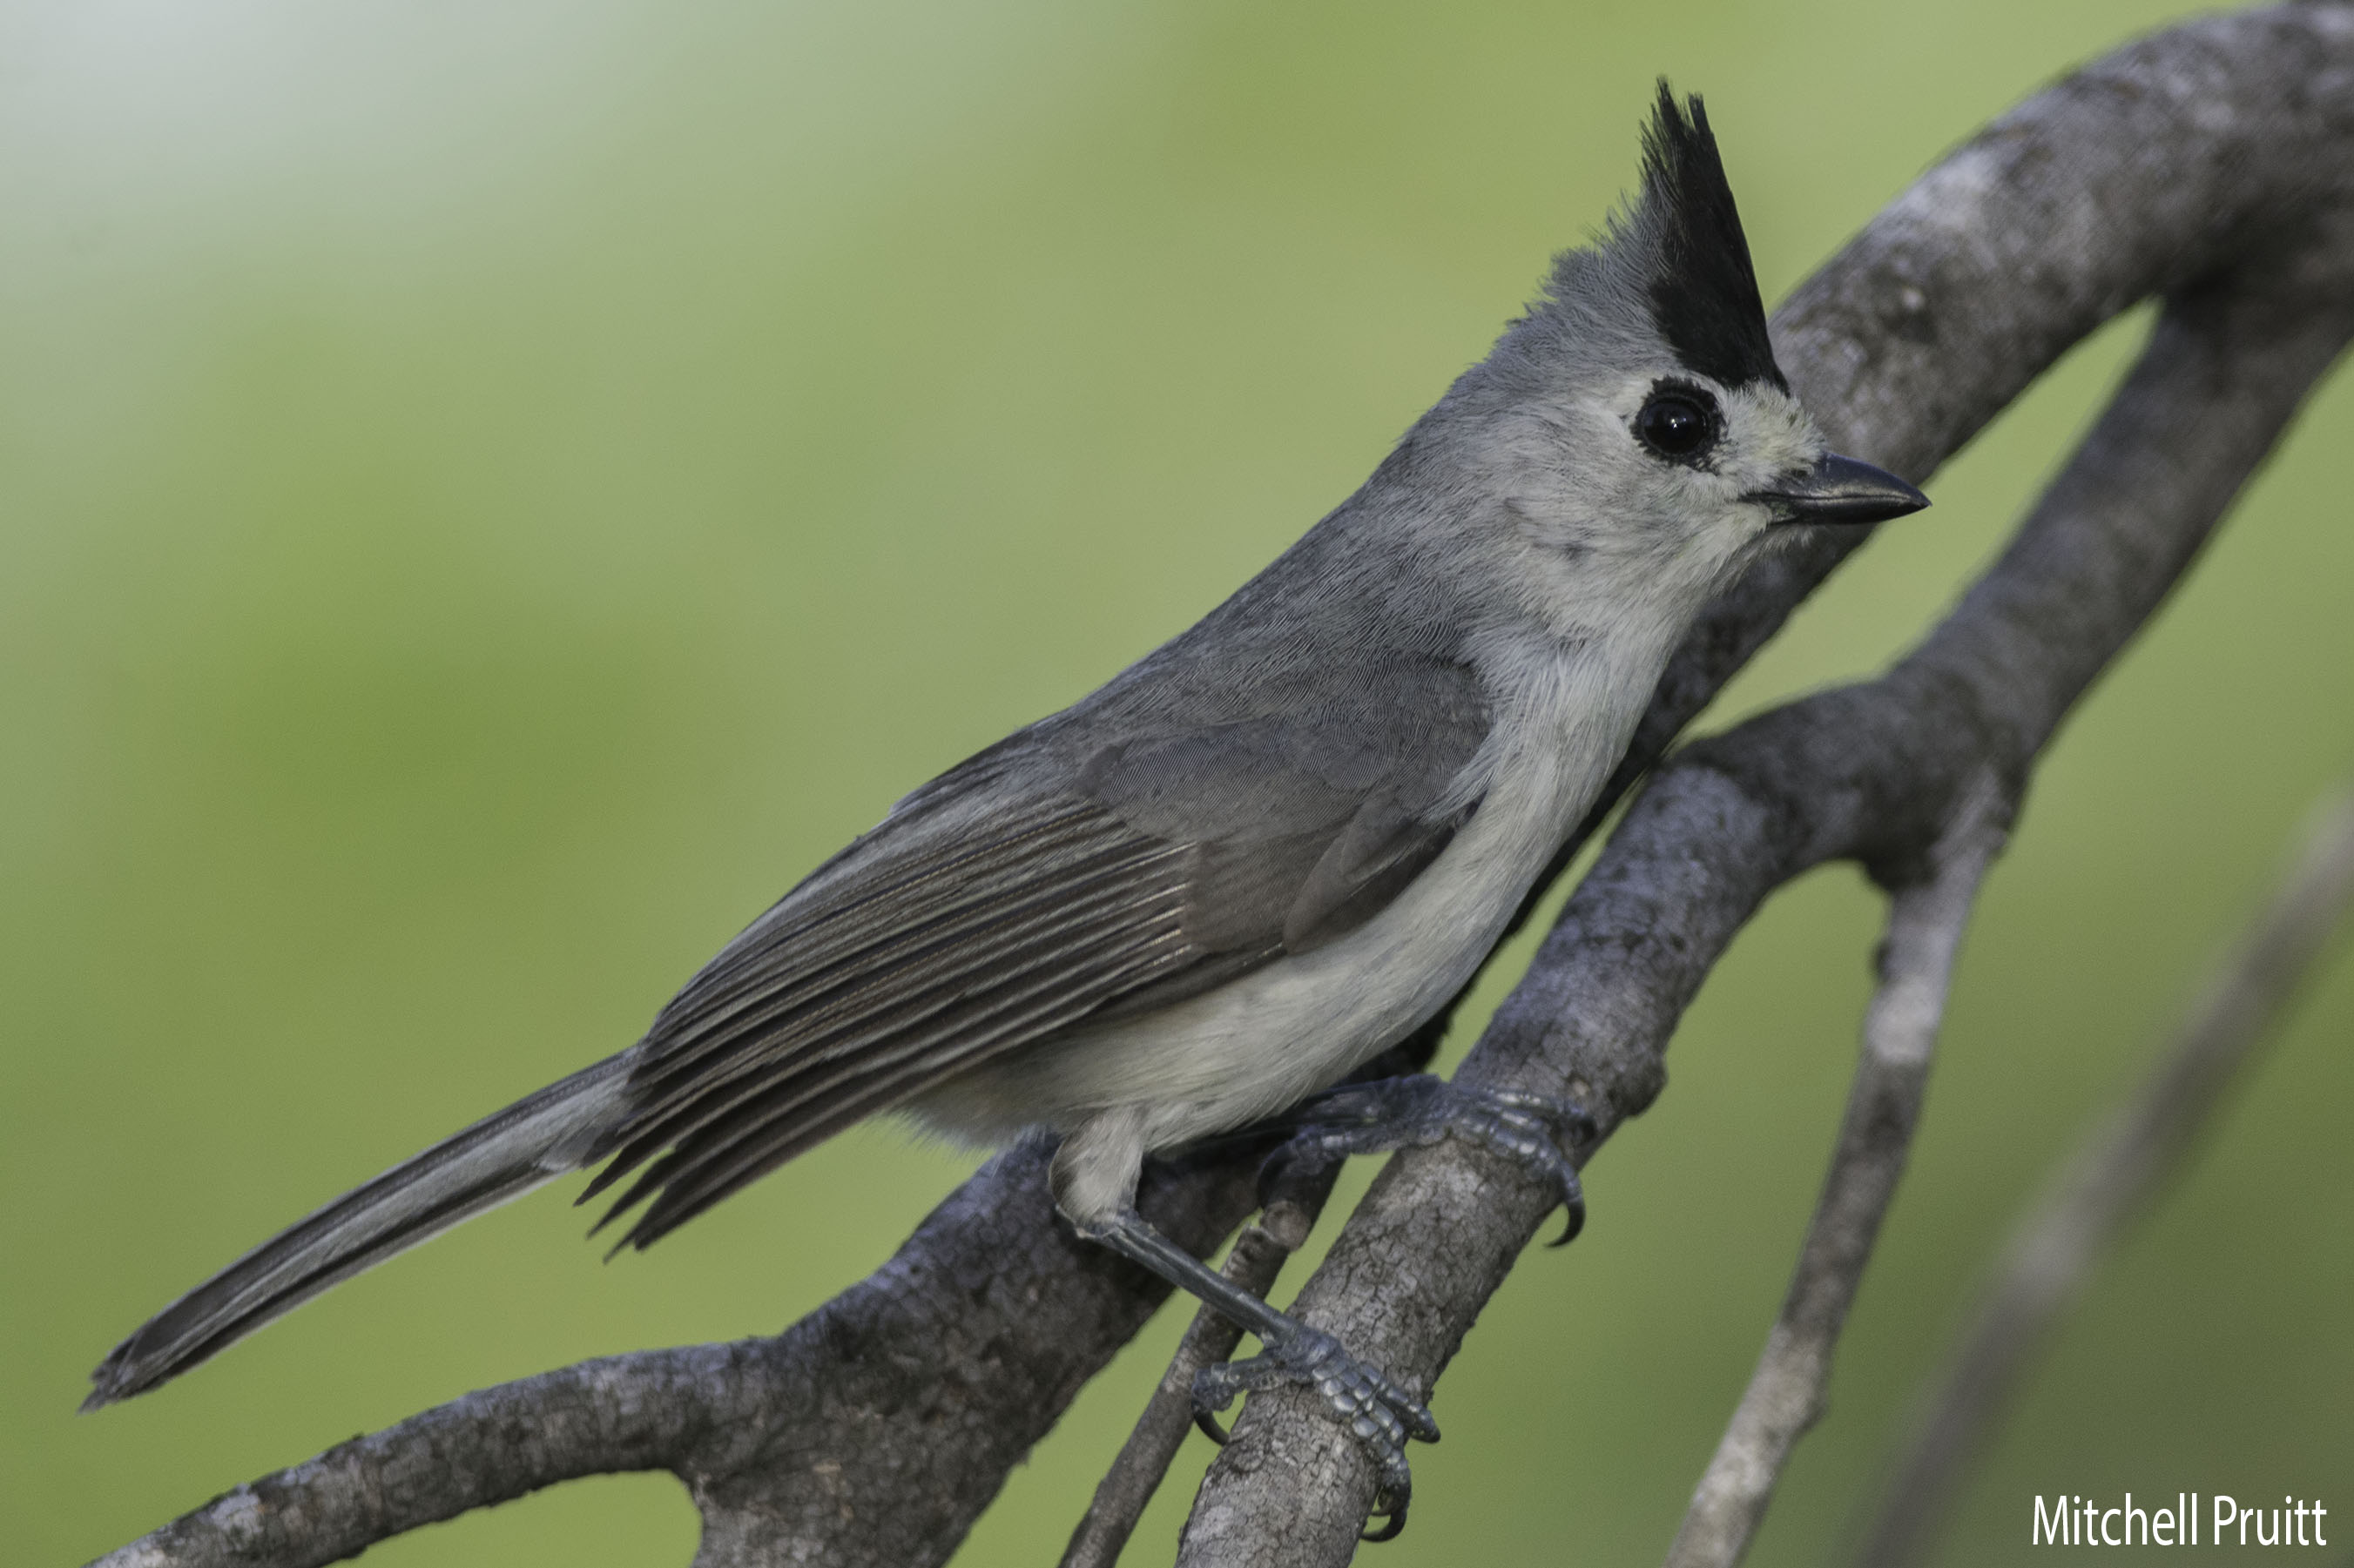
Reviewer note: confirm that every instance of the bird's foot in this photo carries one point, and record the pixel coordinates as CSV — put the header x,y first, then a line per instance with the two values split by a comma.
x,y
1374,1410
1398,1113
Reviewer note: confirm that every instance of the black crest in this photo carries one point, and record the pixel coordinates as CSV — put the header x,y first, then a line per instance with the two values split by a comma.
x,y
1704,294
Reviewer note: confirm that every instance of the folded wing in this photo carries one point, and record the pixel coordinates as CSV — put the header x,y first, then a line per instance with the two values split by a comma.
x,y
1042,883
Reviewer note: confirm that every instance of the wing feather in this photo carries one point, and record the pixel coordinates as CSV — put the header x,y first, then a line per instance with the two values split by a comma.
x,y
793,1114
947,891
920,1003
833,1005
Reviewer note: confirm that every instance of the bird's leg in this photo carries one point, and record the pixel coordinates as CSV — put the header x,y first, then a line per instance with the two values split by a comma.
x,y
1377,1412
1372,1117
1386,1113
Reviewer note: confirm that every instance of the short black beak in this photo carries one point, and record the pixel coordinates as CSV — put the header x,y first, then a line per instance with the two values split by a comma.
x,y
1840,489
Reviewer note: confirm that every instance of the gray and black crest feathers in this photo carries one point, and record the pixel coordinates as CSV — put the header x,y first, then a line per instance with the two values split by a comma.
x,y
1702,292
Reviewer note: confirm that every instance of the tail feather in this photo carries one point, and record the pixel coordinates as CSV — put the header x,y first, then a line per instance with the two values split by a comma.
x,y
496,1160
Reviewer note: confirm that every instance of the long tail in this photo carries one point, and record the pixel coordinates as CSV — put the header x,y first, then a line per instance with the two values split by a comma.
x,y
500,1157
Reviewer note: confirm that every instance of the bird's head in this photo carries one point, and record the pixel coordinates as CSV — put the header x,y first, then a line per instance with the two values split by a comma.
x,y
1642,440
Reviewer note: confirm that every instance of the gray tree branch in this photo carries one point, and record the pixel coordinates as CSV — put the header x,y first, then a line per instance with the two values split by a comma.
x,y
2209,163
2199,165
2121,1166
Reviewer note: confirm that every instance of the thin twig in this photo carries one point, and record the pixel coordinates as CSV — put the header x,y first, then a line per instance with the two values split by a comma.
x,y
1785,1395
1144,1459
2128,1156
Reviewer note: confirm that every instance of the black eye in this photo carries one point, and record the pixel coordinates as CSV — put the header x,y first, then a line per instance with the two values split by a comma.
x,y
1676,425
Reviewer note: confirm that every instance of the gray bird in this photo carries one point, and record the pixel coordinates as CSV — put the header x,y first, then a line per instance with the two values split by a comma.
x,y
1254,861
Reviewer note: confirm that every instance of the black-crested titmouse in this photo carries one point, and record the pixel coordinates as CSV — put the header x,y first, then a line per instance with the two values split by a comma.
x,y
1254,860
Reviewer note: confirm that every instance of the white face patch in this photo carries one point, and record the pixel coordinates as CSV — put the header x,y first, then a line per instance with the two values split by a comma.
x,y
1649,483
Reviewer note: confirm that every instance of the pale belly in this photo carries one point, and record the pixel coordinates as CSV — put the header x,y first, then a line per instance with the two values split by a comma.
x,y
1263,1042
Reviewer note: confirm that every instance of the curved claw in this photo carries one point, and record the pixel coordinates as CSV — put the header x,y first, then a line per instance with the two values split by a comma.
x,y
1214,1388
1390,1501
1567,1121
1572,1199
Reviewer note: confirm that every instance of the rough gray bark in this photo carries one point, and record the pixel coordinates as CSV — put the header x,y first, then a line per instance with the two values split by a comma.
x,y
2207,166
2210,164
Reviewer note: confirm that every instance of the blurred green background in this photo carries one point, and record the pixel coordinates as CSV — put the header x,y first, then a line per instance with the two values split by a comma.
x,y
490,493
